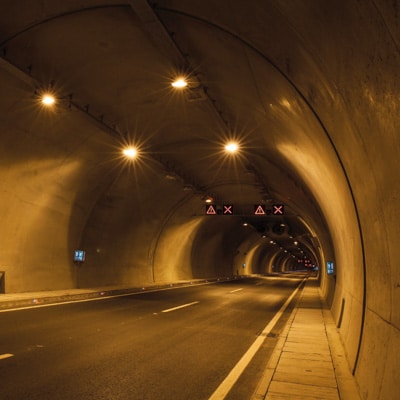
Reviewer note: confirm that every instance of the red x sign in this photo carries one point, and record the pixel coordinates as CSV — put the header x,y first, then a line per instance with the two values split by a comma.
x,y
228,209
278,209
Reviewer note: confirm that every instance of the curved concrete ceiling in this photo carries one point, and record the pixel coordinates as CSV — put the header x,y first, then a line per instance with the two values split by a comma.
x,y
311,99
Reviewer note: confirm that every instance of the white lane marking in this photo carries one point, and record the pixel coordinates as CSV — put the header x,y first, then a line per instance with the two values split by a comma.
x,y
227,384
179,307
236,290
8,355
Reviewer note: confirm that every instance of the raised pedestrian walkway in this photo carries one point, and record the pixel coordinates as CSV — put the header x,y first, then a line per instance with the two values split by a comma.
x,y
309,361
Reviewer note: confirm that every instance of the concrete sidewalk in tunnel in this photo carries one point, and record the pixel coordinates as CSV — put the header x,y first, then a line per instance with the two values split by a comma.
x,y
309,361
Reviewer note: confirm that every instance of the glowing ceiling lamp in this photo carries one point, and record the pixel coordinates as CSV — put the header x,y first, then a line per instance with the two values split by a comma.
x,y
130,152
179,83
232,147
48,99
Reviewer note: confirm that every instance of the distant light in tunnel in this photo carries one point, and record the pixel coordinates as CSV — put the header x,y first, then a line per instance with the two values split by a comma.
x,y
48,99
209,200
130,152
179,83
245,224
232,147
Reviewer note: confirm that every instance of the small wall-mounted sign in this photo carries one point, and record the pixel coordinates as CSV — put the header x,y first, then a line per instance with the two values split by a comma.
x,y
79,256
330,267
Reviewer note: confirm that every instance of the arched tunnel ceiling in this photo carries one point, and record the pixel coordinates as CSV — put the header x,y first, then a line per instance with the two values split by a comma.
x,y
113,62
309,89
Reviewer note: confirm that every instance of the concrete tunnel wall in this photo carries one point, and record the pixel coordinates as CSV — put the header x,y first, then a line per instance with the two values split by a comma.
x,y
61,188
362,73
138,237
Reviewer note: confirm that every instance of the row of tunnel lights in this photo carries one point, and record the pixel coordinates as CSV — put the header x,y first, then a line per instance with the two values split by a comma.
x,y
295,242
285,250
132,152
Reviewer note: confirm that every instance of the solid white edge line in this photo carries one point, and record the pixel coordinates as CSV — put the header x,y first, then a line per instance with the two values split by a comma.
x,y
7,355
179,307
227,384
103,297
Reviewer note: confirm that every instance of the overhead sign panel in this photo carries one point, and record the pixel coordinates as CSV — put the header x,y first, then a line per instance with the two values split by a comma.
x,y
227,209
211,209
278,209
259,209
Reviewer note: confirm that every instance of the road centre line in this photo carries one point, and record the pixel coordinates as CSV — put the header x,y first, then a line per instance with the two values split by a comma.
x,y
236,290
7,355
179,307
227,384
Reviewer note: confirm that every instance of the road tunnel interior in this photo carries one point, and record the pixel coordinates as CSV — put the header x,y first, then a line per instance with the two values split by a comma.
x,y
306,104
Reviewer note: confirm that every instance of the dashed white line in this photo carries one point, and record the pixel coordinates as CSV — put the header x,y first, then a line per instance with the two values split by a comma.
x,y
179,307
236,290
7,355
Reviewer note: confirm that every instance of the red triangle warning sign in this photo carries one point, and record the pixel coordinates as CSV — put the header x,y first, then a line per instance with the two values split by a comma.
x,y
211,209
259,210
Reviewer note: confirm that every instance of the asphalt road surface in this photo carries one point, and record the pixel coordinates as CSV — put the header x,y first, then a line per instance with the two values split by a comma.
x,y
171,344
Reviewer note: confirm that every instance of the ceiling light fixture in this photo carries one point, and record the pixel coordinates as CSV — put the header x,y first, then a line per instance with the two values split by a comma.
x,y
179,83
48,99
130,152
232,147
